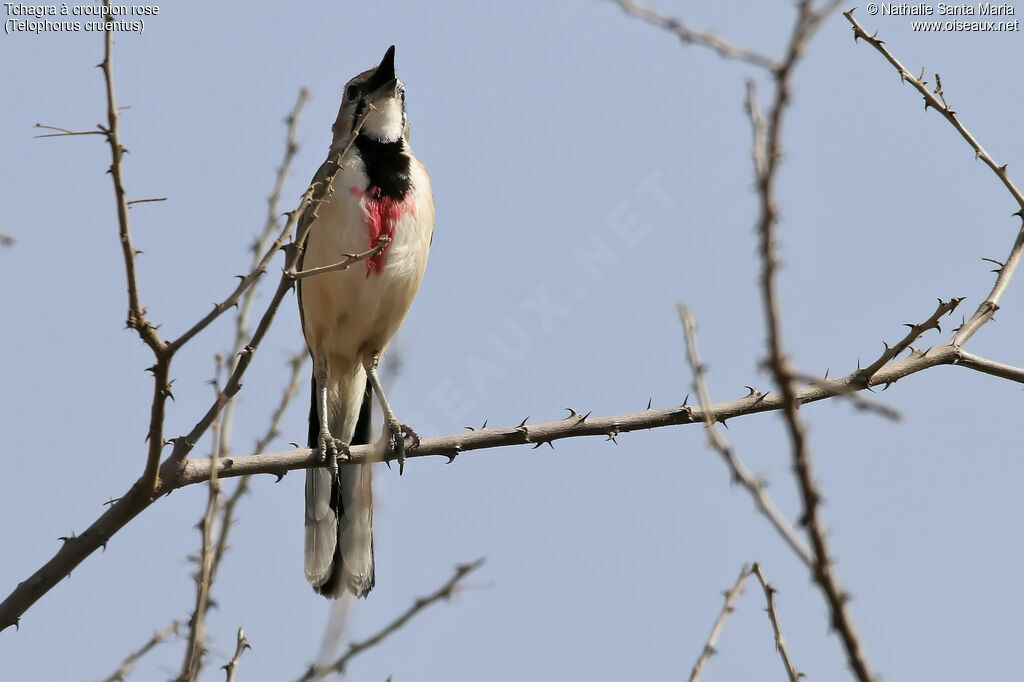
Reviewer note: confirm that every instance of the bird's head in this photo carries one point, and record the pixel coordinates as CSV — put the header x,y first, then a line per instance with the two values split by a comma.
x,y
378,94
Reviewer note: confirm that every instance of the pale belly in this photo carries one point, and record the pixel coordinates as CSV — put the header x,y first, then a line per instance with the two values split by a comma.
x,y
351,314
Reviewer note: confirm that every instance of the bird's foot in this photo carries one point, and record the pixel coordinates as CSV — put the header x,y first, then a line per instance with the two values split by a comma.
x,y
330,448
397,433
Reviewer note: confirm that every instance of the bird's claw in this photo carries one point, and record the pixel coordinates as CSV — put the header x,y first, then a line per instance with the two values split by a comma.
x,y
330,447
397,434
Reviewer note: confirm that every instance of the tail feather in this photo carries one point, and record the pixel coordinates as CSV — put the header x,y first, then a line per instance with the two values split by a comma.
x,y
339,514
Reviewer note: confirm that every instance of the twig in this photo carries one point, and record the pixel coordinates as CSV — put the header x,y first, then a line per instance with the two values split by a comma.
x,y
1009,266
740,473
64,132
723,48
232,666
716,629
823,572
916,330
349,260
859,401
278,463
122,673
136,313
773,616
356,648
196,649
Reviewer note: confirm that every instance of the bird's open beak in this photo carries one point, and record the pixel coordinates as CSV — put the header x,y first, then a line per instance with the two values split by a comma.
x,y
383,80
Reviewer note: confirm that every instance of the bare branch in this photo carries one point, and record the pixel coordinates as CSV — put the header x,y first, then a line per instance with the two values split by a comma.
x,y
773,616
916,330
724,49
716,629
998,369
122,673
740,473
824,575
859,401
190,472
356,648
232,666
64,132
195,652
937,101
349,260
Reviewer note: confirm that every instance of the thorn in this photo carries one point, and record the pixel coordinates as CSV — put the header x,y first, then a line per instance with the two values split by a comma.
x,y
685,400
469,428
580,418
551,445
537,445
280,475
67,538
451,457
651,399
751,389
826,374
484,426
522,424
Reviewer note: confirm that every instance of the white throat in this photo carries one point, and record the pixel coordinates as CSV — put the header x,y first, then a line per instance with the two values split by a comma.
x,y
385,123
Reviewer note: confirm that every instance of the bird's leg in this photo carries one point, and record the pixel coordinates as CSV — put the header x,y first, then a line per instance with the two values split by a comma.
x,y
329,445
394,430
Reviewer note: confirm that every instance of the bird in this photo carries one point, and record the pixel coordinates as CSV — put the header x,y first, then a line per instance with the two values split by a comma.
x,y
379,196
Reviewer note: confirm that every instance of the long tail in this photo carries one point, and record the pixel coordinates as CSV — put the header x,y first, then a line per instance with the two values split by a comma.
x,y
339,514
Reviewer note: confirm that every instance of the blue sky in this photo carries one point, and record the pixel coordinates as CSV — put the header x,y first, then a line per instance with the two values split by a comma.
x,y
542,124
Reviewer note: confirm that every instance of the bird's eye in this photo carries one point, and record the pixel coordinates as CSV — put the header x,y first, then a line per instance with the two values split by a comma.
x,y
351,92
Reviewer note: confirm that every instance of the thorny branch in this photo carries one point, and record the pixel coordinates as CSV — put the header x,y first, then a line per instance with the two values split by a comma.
x,y
536,435
936,100
349,260
716,630
356,648
770,154
740,474
723,48
195,651
773,616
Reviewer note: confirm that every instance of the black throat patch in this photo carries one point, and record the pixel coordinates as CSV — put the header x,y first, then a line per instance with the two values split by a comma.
x,y
387,167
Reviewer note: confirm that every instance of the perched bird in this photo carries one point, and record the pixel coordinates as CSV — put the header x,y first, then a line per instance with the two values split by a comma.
x,y
349,316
